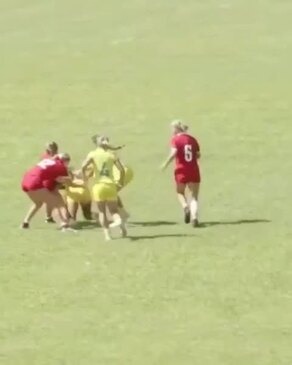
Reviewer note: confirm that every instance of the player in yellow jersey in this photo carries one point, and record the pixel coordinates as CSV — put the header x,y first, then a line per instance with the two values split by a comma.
x,y
104,191
78,196
129,175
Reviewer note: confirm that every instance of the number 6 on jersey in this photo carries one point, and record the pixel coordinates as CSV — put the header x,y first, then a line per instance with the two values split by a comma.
x,y
189,156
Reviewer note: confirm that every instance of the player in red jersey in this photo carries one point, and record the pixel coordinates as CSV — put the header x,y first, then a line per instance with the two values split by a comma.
x,y
40,184
51,152
185,150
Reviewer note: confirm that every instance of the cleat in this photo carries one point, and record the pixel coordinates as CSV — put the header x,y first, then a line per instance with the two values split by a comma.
x,y
24,225
50,220
196,223
67,228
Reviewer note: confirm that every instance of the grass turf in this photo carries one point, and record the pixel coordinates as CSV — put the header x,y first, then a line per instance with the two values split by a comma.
x,y
168,295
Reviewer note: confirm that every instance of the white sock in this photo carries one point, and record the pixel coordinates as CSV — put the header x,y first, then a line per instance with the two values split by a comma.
x,y
107,235
117,221
194,209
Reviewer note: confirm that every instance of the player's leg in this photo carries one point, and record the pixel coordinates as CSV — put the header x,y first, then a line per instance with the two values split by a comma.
x,y
101,206
99,196
49,214
38,198
86,210
122,211
72,207
194,207
56,201
113,208
180,190
118,220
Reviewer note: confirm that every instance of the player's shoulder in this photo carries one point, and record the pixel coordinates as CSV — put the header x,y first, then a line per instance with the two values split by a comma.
x,y
175,140
45,156
93,153
180,138
190,138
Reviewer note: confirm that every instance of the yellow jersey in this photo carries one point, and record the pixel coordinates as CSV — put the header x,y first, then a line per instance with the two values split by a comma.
x,y
103,162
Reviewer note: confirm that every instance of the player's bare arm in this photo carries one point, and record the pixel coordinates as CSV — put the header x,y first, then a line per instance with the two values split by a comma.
x,y
170,158
86,164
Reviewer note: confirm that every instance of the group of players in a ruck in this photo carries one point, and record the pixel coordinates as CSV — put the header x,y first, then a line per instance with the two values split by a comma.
x,y
97,185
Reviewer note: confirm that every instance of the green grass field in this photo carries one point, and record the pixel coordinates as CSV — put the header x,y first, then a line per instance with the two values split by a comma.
x,y
169,295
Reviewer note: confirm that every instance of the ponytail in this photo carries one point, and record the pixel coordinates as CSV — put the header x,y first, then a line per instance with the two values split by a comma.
x,y
185,127
180,126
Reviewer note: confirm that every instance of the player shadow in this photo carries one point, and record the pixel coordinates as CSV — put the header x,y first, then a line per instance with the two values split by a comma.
x,y
157,236
153,223
233,223
85,225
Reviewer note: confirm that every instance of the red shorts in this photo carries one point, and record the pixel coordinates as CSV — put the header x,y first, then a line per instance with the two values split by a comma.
x,y
31,183
187,177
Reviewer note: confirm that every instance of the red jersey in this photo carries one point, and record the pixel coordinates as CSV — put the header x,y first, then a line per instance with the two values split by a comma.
x,y
44,175
186,163
46,156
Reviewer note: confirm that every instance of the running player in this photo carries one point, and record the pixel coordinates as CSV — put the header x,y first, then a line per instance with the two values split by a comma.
x,y
40,184
185,150
104,190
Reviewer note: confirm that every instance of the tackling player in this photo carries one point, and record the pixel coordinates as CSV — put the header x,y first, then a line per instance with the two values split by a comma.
x,y
40,185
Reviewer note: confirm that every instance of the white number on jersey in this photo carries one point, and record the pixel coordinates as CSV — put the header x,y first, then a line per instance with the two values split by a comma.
x,y
189,153
104,171
44,164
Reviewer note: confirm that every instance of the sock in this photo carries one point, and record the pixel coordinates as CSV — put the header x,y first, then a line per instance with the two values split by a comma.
x,y
107,234
117,221
194,209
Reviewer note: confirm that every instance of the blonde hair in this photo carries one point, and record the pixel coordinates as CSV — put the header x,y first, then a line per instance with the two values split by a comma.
x,y
180,126
64,156
103,141
94,138
52,146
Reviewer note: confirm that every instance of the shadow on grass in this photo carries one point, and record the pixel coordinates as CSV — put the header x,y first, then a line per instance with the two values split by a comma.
x,y
86,225
233,223
156,236
153,223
